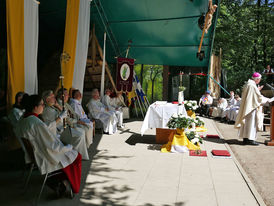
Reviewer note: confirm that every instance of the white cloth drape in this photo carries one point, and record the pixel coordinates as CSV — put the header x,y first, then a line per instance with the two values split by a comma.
x,y
82,45
30,46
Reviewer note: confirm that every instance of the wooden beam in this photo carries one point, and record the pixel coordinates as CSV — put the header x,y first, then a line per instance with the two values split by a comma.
x,y
93,46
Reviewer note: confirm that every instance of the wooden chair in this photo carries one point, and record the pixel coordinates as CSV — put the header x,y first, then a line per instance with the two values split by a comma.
x,y
33,164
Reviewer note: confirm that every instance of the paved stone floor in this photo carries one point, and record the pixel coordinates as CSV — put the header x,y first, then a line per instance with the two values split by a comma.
x,y
126,169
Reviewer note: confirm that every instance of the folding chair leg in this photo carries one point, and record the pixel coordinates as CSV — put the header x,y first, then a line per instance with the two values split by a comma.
x,y
44,182
28,177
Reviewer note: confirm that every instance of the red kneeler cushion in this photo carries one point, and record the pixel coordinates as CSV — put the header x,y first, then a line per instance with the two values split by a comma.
x,y
174,102
194,153
216,152
214,136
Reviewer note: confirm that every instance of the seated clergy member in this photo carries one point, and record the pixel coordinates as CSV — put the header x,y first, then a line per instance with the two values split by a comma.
x,y
75,103
205,102
53,116
17,110
106,100
99,111
221,106
73,119
49,152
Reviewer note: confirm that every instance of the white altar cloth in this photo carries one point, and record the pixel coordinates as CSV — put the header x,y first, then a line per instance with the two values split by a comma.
x,y
158,115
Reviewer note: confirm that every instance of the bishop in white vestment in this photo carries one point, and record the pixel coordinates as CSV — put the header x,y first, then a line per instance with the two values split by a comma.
x,y
250,117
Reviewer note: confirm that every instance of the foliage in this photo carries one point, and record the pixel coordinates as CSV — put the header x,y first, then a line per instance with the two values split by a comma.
x,y
182,88
194,137
190,105
152,78
245,34
179,121
198,122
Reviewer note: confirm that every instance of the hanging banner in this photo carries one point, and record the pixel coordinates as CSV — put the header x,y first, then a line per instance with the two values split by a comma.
x,y
22,47
124,74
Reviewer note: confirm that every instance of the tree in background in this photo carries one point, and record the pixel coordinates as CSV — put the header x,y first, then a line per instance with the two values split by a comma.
x,y
152,80
245,34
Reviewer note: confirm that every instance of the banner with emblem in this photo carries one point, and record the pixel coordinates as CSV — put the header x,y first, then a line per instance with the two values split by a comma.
x,y
124,74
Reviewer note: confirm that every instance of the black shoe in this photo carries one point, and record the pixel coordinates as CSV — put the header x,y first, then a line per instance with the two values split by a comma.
x,y
105,132
252,142
245,141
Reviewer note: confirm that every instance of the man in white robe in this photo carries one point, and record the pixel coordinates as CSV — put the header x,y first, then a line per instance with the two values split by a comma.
x,y
97,110
106,100
250,117
75,103
73,119
205,102
53,116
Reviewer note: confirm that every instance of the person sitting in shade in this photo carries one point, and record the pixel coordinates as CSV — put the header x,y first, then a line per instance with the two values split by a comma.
x,y
54,117
221,106
98,110
106,100
49,152
205,102
17,110
250,117
75,103
73,119
233,111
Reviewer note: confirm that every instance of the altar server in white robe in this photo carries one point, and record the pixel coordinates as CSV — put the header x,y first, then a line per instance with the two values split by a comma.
x,y
49,152
221,106
250,117
234,110
17,110
106,100
73,119
75,103
98,110
53,116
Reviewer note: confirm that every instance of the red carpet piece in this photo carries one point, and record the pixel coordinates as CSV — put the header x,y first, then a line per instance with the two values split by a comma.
x,y
213,136
224,153
174,102
195,153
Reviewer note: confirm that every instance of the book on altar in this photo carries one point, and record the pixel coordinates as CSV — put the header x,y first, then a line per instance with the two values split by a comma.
x,y
221,153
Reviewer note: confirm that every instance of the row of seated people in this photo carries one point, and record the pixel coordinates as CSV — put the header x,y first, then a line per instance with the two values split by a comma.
x,y
226,110
57,145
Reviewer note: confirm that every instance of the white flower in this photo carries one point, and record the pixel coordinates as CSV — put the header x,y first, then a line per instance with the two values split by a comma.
x,y
175,115
195,140
189,104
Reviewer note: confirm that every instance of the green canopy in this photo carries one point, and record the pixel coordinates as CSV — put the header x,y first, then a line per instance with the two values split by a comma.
x,y
160,31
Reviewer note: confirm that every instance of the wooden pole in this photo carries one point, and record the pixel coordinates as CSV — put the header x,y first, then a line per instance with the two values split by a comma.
x,y
93,47
202,38
271,142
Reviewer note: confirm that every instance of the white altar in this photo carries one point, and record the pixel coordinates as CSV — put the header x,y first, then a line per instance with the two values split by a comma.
x,y
159,113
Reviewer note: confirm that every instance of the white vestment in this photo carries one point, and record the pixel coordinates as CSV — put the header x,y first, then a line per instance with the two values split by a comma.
x,y
78,109
106,100
15,115
72,120
217,111
98,111
250,117
49,152
75,137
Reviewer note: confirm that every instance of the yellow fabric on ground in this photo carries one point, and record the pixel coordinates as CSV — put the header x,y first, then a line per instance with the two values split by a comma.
x,y
179,139
15,48
191,113
70,40
201,129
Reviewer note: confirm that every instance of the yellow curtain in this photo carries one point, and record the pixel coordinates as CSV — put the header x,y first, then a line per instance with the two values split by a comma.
x,y
70,41
15,48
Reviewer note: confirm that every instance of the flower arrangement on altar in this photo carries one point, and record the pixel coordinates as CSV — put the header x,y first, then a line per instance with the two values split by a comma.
x,y
179,121
198,122
191,105
194,137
